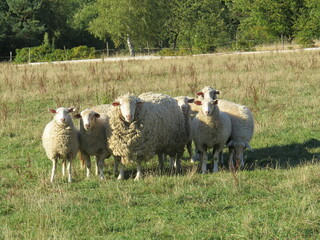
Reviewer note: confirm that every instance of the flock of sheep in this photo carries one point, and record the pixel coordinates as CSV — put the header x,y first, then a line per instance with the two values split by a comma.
x,y
135,128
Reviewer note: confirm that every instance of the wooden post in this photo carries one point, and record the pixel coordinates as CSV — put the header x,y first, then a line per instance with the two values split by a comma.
x,y
10,56
29,56
107,49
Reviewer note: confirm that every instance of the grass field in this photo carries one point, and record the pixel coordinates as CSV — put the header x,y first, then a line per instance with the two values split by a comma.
x,y
276,197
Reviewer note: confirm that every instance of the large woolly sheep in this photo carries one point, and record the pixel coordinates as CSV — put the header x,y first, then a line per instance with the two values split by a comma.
x,y
183,102
60,140
144,126
93,140
211,128
242,127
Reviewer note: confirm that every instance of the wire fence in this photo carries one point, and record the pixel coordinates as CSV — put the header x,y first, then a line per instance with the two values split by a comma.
x,y
247,45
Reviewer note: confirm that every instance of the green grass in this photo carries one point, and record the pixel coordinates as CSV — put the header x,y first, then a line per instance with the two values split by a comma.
x,y
276,197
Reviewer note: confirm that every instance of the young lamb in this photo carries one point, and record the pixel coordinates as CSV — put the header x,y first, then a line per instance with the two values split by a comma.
x,y
210,129
93,140
60,140
242,127
183,102
144,126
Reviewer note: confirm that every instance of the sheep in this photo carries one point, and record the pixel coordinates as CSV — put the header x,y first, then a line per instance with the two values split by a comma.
x,y
144,126
242,131
211,128
60,140
242,127
92,138
183,102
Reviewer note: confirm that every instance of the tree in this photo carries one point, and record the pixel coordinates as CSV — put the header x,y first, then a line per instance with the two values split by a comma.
x,y
263,20
307,27
23,28
131,21
198,24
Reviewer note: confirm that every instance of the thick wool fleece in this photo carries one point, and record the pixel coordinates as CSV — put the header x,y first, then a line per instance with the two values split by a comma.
x,y
211,131
60,141
241,119
158,128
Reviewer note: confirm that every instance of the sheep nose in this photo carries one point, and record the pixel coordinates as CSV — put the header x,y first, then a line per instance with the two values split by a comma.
x,y
87,126
62,119
206,113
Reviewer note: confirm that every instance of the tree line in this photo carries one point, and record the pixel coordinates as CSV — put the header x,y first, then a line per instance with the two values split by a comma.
x,y
200,25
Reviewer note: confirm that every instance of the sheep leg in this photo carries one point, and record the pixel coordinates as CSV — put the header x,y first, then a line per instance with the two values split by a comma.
x,y
117,161
178,163
239,160
204,159
69,169
161,160
231,156
196,156
216,161
63,167
121,172
54,168
138,175
97,167
88,163
100,165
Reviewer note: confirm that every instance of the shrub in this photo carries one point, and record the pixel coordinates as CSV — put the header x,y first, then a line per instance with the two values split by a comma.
x,y
45,53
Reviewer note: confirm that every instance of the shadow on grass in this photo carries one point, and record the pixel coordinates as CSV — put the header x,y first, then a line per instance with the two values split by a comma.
x,y
284,156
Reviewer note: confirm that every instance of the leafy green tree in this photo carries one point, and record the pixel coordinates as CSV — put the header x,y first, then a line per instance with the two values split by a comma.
x,y
131,21
263,20
197,24
307,27
24,28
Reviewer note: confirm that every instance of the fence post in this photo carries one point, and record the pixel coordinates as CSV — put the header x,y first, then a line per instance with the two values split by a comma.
x,y
10,56
107,49
29,61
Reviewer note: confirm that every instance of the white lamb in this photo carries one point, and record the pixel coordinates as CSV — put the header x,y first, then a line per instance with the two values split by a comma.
x,y
210,129
144,126
60,140
93,139
242,127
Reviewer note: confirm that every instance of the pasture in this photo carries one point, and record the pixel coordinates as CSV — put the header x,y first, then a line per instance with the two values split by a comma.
x,y
276,197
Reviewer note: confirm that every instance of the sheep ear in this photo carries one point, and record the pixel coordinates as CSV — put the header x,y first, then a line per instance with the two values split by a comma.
x,y
248,146
197,102
52,110
71,110
215,101
77,116
96,115
217,92
230,143
190,100
199,94
115,104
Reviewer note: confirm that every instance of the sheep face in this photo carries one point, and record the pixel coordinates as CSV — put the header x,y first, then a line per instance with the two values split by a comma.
x,y
88,118
128,105
183,103
208,93
62,117
207,106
